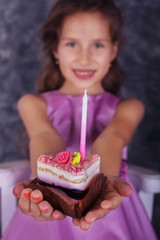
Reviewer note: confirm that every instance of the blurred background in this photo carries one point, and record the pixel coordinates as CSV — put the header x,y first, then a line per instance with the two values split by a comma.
x,y
20,62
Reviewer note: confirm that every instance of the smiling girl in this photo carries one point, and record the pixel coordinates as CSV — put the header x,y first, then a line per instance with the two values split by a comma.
x,y
81,41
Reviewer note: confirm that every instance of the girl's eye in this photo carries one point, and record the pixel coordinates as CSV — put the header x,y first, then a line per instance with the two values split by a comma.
x,y
72,44
98,45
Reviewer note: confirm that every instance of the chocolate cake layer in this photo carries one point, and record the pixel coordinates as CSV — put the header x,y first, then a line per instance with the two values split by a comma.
x,y
73,193
61,201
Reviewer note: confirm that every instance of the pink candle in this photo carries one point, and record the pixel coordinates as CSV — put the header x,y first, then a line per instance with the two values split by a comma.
x,y
83,127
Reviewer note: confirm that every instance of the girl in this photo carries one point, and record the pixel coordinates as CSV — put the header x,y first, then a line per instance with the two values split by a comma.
x,y
81,41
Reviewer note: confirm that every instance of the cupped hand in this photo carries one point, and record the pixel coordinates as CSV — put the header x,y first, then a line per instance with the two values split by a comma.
x,y
31,203
116,188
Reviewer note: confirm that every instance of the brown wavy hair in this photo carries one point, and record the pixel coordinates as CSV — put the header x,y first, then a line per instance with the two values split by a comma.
x,y
51,77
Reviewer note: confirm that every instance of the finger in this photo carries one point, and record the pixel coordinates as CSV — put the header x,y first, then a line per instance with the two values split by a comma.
x,y
17,190
19,187
95,214
46,210
123,187
84,225
24,201
111,204
36,198
112,201
76,222
57,215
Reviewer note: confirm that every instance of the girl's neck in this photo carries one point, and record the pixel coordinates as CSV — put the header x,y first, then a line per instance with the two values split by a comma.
x,y
75,91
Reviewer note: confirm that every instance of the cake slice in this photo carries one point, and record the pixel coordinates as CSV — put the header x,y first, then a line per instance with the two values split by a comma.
x,y
68,184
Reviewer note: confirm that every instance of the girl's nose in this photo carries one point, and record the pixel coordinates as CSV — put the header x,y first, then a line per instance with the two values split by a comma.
x,y
84,57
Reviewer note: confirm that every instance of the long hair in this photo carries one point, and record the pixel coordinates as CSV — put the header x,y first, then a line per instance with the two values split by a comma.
x,y
51,77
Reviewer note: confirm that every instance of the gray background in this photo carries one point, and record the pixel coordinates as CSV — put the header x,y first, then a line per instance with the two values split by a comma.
x,y
20,54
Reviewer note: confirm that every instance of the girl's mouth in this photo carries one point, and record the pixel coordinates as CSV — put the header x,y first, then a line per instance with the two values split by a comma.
x,y
84,74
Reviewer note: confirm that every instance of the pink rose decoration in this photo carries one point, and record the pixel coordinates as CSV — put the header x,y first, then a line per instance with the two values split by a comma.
x,y
64,158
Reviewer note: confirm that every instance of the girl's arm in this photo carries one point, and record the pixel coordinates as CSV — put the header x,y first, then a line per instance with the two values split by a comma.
x,y
44,138
109,146
110,143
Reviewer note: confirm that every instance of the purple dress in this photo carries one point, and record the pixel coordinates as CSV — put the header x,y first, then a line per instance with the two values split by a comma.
x,y
127,222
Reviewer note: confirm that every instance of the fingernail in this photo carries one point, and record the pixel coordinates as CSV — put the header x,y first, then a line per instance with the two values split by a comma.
x,y
56,215
87,227
106,207
43,210
36,198
92,220
14,191
27,195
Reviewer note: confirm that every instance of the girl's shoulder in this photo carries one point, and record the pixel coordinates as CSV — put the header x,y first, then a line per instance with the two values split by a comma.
x,y
38,102
131,103
31,102
132,107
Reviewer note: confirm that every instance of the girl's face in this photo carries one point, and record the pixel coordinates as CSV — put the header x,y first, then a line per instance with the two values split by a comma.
x,y
85,51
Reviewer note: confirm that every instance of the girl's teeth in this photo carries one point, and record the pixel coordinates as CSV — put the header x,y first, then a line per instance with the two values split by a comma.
x,y
84,73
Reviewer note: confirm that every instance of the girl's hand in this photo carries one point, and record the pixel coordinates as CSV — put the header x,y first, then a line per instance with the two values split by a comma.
x,y
31,203
116,189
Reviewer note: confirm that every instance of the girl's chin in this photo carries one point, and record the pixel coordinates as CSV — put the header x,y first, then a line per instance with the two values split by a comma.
x,y
84,84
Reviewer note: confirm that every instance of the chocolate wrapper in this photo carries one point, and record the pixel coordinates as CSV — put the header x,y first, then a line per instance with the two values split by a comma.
x,y
69,206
